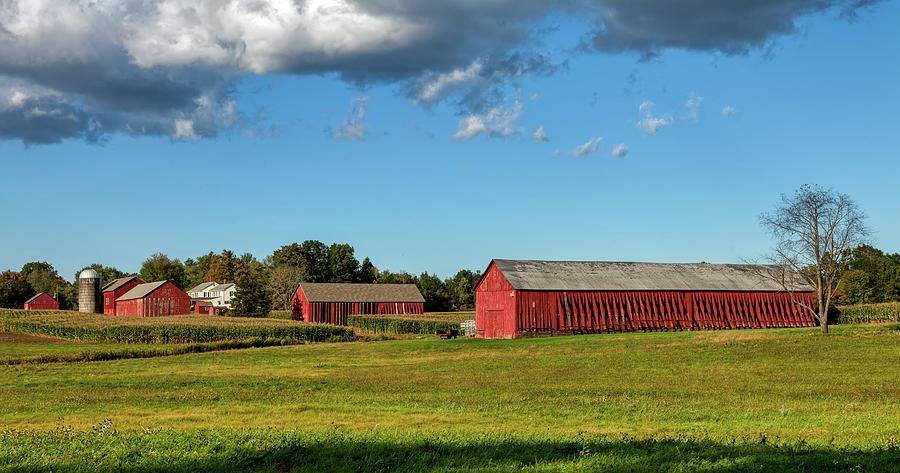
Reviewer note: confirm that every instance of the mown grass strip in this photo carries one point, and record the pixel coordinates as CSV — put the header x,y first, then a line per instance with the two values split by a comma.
x,y
105,449
165,330
869,313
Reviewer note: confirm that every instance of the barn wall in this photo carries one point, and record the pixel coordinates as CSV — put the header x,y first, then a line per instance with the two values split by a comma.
x,y
495,306
608,311
167,300
109,297
338,313
43,302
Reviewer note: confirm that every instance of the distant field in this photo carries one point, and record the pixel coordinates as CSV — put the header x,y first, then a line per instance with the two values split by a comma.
x,y
869,313
744,400
173,329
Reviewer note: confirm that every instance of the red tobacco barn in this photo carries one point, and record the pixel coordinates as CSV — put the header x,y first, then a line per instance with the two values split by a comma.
x,y
333,303
155,299
116,289
518,298
41,301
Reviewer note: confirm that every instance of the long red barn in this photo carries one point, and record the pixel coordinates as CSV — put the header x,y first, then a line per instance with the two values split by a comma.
x,y
520,297
41,301
155,299
334,303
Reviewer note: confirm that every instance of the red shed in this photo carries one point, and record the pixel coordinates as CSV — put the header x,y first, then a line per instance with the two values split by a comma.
x,y
41,301
154,299
116,289
206,307
333,303
517,297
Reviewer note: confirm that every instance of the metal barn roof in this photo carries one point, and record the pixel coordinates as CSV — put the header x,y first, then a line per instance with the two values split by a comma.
x,y
621,276
141,290
117,283
36,296
349,292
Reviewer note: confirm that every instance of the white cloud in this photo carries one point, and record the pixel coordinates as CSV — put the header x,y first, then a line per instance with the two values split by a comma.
x,y
355,126
442,85
620,150
590,147
185,129
649,123
540,136
727,111
495,123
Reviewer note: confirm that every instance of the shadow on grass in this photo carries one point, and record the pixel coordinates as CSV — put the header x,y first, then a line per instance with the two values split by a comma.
x,y
278,451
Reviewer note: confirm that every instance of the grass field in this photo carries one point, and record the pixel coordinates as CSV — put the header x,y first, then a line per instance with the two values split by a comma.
x,y
749,400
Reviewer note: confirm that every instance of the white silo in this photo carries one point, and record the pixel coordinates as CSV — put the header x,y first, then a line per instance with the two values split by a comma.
x,y
89,292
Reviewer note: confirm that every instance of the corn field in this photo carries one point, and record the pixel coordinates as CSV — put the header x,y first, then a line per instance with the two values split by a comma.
x,y
165,330
421,325
869,313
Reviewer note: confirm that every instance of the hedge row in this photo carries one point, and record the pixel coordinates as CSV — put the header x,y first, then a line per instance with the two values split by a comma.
x,y
107,329
400,325
868,313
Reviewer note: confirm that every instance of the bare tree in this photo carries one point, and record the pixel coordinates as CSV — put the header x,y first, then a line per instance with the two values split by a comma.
x,y
814,230
283,281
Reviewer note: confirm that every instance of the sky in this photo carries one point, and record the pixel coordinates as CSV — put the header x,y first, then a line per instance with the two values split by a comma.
x,y
434,136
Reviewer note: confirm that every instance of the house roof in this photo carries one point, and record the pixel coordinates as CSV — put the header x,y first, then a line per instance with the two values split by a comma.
x,y
622,276
141,290
117,283
36,296
349,292
221,287
200,287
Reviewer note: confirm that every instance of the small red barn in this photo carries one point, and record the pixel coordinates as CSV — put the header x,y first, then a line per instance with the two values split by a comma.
x,y
206,307
41,301
155,299
116,289
333,303
519,297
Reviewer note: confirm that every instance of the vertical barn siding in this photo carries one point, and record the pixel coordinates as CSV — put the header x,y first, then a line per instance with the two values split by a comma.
x,y
338,313
43,302
109,297
166,300
611,311
496,314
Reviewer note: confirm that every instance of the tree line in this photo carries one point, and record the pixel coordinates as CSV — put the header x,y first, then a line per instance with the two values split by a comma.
x,y
263,285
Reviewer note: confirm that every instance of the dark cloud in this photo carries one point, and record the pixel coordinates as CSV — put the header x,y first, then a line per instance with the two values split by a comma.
x,y
649,27
170,67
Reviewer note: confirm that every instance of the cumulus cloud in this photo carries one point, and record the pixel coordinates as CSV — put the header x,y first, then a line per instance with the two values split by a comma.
x,y
539,135
727,111
590,147
496,122
649,27
620,150
649,123
355,126
85,68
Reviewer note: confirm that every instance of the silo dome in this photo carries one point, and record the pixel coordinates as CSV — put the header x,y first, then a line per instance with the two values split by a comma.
x,y
89,274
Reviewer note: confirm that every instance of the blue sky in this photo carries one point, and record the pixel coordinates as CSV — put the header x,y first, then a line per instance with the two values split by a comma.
x,y
321,154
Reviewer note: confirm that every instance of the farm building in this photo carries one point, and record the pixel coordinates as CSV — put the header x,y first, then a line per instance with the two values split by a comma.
x,y
116,289
154,299
517,298
333,303
207,307
41,301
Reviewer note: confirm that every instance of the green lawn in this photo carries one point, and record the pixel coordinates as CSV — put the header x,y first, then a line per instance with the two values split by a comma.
x,y
748,400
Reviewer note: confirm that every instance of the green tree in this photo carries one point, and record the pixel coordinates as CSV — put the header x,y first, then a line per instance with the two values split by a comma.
x,y
43,277
14,290
342,264
437,298
462,289
367,271
252,298
225,267
107,273
195,271
856,287
312,257
160,267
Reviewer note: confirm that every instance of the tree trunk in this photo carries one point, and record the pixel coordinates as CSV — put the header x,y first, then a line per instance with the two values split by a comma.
x,y
823,322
